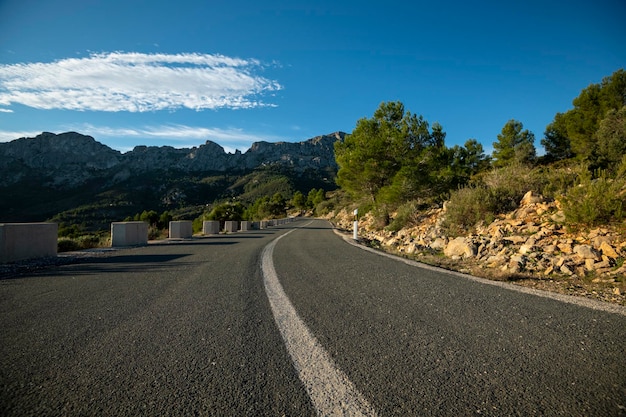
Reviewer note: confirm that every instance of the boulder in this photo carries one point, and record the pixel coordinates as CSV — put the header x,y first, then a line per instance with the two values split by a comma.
x,y
438,244
460,247
608,250
586,252
531,198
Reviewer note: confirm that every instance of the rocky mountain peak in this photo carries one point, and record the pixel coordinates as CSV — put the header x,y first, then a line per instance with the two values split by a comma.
x,y
70,159
51,151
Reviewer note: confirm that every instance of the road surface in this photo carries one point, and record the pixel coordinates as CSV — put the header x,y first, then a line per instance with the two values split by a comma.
x,y
295,321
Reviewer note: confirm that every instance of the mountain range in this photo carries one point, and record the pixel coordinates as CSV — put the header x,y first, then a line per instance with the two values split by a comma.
x,y
52,174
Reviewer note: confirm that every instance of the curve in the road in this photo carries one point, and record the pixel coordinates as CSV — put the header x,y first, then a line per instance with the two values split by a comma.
x,y
580,301
330,390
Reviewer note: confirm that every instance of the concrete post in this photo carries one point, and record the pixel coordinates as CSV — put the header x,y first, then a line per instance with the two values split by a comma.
x,y
20,241
129,233
210,227
231,226
182,229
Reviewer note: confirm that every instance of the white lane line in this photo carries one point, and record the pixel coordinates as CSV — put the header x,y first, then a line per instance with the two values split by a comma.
x,y
330,390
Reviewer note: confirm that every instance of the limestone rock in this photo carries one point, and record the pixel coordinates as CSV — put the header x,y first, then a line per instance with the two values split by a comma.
x,y
460,247
608,250
586,252
438,244
531,198
558,217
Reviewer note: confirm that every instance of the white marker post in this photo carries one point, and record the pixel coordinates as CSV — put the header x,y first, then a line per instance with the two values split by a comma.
x,y
355,228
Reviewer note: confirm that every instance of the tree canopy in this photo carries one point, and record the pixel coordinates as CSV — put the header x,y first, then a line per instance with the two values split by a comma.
x,y
388,154
574,133
514,145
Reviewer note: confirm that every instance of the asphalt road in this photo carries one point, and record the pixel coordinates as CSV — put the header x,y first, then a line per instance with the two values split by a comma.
x,y
187,328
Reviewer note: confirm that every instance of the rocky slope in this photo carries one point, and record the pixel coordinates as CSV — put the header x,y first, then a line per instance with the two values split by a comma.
x,y
529,246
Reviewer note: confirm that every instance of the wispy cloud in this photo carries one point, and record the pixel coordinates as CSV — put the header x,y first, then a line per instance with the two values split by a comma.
x,y
7,135
136,82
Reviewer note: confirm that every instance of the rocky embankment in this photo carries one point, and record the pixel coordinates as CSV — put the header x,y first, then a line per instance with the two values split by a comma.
x,y
529,246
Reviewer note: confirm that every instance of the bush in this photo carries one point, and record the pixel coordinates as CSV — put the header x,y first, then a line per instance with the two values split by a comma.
x,y
510,183
66,244
595,201
406,215
467,207
560,177
491,193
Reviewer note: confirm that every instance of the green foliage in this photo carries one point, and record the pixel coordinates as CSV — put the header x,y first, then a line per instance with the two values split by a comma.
x,y
315,197
154,219
261,183
495,192
468,160
559,177
469,206
514,145
299,201
573,133
267,208
151,217
406,215
387,155
226,212
88,241
611,139
556,142
509,184
595,201
164,220
196,224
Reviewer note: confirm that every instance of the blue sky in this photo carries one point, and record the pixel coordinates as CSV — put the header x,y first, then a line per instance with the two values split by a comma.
x,y
178,73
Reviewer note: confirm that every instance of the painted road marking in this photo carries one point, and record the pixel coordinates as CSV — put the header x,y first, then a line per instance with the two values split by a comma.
x,y
330,390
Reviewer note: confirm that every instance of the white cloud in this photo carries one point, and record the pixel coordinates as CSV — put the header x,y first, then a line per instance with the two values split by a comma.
x,y
136,82
8,136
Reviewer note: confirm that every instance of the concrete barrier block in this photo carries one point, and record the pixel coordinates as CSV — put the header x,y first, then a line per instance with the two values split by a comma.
x,y
20,241
181,229
210,227
129,233
245,226
231,226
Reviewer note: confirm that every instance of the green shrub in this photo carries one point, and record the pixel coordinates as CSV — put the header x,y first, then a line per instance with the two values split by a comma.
x,y
491,193
510,183
66,244
560,177
595,201
197,223
406,215
467,207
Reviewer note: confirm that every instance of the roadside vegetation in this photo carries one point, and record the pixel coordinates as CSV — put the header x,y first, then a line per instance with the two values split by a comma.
x,y
395,164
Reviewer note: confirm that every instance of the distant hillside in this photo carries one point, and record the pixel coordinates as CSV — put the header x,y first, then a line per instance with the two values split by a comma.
x,y
49,174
